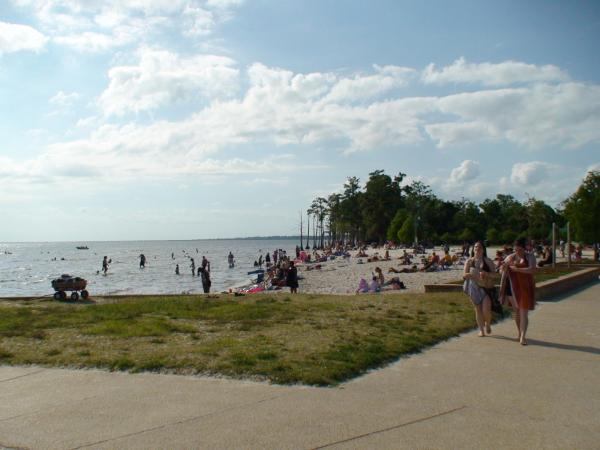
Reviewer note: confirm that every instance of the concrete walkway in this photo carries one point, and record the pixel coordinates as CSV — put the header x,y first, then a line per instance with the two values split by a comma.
x,y
468,392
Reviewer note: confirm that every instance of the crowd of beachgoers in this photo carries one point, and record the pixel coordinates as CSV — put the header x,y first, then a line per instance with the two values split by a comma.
x,y
345,269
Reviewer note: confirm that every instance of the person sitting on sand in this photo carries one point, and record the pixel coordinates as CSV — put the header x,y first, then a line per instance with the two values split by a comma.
x,y
546,257
405,258
430,265
447,260
363,286
374,286
362,254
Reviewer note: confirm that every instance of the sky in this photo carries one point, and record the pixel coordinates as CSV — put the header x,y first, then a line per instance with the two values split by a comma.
x,y
185,119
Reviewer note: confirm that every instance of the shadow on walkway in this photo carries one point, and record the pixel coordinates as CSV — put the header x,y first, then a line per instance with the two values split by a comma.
x,y
575,348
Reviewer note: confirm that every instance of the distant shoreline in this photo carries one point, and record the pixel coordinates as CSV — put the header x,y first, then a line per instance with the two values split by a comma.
x,y
83,241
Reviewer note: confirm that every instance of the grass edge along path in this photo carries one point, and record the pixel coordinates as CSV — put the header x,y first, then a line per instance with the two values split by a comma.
x,y
310,339
543,274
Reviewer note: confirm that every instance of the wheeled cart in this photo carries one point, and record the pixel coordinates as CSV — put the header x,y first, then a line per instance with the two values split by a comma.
x,y
67,283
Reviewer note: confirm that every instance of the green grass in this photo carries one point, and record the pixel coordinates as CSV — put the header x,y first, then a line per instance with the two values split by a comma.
x,y
311,339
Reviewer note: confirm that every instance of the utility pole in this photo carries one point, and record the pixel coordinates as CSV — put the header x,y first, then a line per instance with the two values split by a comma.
x,y
301,237
307,229
553,245
569,244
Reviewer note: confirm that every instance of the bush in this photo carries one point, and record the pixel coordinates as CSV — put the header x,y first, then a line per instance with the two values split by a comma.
x,y
493,236
509,236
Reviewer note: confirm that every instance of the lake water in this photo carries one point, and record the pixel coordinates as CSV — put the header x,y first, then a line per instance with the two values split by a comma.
x,y
26,269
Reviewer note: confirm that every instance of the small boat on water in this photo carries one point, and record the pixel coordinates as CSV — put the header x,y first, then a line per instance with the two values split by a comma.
x,y
82,247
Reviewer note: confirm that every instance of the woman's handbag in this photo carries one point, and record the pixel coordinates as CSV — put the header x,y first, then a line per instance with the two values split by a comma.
x,y
497,306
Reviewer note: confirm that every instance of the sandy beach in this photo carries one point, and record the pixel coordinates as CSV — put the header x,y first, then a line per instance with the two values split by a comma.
x,y
341,276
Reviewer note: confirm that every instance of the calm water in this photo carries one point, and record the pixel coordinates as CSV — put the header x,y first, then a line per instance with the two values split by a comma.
x,y
27,269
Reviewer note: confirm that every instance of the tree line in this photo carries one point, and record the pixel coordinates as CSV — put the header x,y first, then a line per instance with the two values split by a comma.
x,y
385,209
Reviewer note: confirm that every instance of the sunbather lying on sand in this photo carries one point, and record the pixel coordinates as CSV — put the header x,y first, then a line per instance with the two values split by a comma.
x,y
413,269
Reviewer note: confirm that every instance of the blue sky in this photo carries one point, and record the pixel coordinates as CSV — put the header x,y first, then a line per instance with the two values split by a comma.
x,y
179,119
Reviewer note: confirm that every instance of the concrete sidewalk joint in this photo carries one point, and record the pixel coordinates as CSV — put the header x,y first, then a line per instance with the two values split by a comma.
x,y
383,430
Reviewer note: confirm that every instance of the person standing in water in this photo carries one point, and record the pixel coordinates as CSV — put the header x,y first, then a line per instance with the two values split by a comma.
x,y
176,269
205,263
105,265
193,266
230,260
205,277
142,261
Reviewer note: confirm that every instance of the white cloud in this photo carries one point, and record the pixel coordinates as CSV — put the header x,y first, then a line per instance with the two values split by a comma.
x,y
466,171
223,4
367,87
161,77
100,26
15,37
93,42
530,173
567,115
449,133
490,74
280,107
62,99
199,21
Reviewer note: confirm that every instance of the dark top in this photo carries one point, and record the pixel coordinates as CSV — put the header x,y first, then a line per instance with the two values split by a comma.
x,y
292,277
